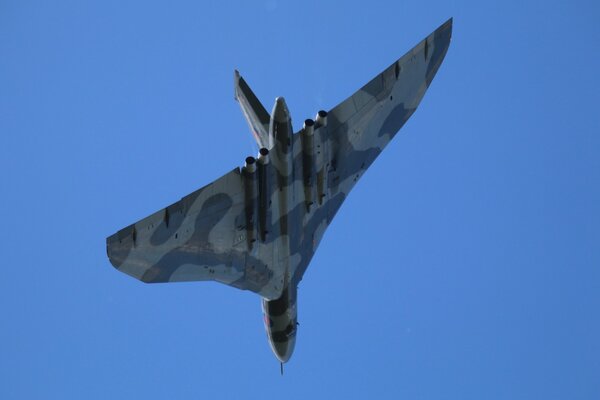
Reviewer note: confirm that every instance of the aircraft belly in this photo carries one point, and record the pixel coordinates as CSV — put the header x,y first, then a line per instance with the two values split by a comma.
x,y
257,228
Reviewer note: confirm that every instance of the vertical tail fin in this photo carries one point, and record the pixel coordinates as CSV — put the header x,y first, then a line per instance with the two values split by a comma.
x,y
256,115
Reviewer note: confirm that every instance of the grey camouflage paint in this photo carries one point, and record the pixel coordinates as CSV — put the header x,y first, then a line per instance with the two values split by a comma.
x,y
257,228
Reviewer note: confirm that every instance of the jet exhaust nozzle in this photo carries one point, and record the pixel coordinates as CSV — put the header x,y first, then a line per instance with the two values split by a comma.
x,y
263,156
321,118
250,164
309,127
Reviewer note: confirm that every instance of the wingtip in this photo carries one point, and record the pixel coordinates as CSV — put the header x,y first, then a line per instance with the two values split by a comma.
x,y
444,32
446,25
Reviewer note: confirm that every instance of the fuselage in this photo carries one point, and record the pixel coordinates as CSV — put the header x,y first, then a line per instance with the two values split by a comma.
x,y
280,315
280,318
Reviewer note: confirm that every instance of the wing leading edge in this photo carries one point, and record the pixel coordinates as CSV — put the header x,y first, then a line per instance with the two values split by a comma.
x,y
199,238
356,131
361,126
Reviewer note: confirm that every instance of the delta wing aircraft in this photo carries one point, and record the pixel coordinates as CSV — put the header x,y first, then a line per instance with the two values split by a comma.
x,y
257,228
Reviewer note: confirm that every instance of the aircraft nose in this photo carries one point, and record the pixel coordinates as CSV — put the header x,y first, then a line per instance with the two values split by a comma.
x,y
283,350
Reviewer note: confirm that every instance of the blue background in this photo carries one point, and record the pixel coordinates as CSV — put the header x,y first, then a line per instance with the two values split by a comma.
x,y
465,265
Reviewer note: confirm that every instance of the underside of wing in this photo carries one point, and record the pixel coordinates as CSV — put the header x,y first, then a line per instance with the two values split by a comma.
x,y
345,141
361,126
254,229
201,237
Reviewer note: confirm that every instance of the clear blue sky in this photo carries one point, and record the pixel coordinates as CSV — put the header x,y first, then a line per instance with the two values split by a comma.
x,y
465,265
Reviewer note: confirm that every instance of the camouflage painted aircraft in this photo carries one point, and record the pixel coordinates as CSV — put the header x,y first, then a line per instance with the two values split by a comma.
x,y
257,228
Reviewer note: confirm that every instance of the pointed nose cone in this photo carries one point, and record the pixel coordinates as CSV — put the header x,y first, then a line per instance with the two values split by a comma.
x,y
280,318
280,111
283,350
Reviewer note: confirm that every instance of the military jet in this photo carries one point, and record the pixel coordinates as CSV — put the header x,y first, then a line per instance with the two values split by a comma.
x,y
257,227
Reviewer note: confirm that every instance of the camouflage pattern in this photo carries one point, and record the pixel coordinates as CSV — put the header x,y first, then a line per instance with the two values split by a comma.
x,y
257,228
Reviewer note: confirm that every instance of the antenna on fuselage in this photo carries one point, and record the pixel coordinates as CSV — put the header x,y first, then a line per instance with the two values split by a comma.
x,y
281,368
